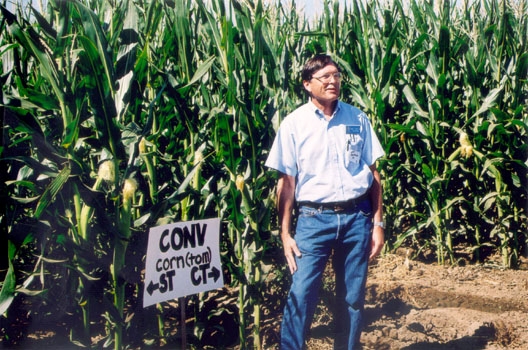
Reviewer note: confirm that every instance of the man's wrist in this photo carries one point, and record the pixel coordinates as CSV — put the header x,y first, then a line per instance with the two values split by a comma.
x,y
380,224
285,232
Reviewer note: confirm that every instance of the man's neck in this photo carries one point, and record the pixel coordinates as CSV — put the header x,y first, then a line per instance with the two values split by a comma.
x,y
327,108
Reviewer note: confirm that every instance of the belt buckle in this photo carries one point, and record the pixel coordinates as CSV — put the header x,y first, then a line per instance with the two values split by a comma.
x,y
338,208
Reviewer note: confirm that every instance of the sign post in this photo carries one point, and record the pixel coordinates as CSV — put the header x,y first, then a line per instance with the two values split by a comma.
x,y
182,259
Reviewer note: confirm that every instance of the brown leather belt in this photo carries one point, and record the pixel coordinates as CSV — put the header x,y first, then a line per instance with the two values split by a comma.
x,y
336,206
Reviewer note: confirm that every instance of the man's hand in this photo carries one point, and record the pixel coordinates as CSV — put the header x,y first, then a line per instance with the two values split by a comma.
x,y
290,251
285,201
377,242
376,198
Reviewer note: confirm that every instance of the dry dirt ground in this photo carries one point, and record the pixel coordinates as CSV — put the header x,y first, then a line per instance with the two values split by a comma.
x,y
412,305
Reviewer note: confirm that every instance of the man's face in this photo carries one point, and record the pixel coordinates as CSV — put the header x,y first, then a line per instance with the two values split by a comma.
x,y
325,84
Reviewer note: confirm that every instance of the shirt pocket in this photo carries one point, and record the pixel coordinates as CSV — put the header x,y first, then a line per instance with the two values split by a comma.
x,y
353,150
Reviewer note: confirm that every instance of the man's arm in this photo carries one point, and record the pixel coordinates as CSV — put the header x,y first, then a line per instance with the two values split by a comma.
x,y
285,203
378,234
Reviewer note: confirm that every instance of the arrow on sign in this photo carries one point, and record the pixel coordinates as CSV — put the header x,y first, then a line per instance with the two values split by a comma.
x,y
214,273
152,287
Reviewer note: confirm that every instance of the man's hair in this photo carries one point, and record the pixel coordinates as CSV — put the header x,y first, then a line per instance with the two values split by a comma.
x,y
315,63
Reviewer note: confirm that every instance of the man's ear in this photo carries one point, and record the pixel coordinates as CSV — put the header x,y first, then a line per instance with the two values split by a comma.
x,y
307,87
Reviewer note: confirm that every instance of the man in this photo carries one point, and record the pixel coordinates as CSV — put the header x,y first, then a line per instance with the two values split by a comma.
x,y
325,152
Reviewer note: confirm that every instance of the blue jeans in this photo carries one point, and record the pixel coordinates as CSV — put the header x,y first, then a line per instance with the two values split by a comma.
x,y
318,233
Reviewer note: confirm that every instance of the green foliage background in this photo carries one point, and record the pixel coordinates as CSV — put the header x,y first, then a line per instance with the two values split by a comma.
x,y
180,100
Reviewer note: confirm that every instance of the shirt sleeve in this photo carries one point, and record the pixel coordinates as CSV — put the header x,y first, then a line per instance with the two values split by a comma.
x,y
372,150
282,152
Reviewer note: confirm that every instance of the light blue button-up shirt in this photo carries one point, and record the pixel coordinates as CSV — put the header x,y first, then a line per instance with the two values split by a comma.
x,y
330,159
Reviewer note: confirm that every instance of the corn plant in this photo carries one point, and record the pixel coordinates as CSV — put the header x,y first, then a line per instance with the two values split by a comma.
x,y
83,207
427,80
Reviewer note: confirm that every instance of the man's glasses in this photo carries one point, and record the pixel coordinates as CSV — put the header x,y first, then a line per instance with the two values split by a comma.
x,y
326,78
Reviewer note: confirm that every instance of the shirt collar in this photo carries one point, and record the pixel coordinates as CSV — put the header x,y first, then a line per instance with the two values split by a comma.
x,y
320,113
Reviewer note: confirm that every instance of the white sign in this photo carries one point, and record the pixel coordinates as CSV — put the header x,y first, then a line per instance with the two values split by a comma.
x,y
182,259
